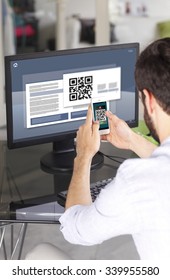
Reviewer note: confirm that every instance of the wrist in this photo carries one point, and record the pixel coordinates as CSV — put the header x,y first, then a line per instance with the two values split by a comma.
x,y
83,158
141,146
133,141
82,165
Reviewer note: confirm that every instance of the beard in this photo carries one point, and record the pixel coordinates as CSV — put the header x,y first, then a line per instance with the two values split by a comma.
x,y
150,125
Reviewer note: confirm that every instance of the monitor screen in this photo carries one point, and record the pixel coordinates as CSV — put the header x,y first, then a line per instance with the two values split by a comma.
x,y
48,93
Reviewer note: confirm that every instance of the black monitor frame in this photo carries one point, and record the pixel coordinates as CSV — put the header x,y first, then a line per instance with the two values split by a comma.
x,y
60,137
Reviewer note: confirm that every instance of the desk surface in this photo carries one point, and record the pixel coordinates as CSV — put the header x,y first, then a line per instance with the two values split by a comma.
x,y
28,194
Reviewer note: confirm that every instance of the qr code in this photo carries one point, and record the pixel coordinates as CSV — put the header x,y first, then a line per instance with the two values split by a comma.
x,y
80,88
100,115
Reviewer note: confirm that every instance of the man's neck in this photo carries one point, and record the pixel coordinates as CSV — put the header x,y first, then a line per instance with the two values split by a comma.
x,y
163,126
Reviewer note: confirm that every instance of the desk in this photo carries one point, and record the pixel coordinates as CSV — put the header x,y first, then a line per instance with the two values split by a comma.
x,y
23,184
28,194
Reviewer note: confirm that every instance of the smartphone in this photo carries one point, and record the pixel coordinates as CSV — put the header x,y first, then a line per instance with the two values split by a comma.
x,y
99,107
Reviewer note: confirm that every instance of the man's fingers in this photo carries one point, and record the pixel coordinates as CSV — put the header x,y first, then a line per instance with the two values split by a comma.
x,y
89,117
109,114
112,117
104,137
95,127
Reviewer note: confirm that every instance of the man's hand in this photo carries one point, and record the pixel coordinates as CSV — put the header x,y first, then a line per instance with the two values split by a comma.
x,y
120,133
123,137
88,137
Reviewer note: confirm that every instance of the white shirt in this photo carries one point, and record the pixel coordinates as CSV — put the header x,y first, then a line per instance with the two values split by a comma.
x,y
137,202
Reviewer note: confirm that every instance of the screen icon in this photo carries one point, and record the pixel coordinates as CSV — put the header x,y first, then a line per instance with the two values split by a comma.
x,y
15,65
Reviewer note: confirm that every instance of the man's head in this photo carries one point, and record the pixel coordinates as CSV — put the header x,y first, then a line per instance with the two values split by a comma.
x,y
152,76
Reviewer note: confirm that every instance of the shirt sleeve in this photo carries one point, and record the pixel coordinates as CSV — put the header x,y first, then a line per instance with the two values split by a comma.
x,y
113,213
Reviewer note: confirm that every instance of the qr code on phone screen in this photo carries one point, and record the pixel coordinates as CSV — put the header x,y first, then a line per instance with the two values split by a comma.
x,y
100,115
80,88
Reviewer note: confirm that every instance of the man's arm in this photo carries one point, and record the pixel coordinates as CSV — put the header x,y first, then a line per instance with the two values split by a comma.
x,y
88,143
123,137
141,146
79,188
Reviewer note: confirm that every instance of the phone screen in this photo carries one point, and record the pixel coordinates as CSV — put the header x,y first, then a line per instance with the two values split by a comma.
x,y
99,109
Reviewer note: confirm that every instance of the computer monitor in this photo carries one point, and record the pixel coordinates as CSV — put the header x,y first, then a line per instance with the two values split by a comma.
x,y
48,93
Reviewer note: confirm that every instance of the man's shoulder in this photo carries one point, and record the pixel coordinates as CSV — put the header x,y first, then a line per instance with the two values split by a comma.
x,y
134,164
141,167
135,168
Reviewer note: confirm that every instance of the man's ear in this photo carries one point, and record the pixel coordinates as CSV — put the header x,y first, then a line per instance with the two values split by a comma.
x,y
149,101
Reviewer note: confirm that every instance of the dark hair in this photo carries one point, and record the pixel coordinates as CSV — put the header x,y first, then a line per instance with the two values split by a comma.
x,y
152,72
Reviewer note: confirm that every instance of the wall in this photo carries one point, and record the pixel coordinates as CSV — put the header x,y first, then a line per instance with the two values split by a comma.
x,y
2,96
85,8
134,27
155,8
46,11
158,8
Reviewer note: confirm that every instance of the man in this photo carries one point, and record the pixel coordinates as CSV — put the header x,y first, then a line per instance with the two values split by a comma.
x,y
137,201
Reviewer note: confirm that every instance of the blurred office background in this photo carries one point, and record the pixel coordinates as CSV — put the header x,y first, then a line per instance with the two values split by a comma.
x,y
45,25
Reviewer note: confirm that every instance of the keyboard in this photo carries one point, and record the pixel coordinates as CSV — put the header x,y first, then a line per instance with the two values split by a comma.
x,y
95,189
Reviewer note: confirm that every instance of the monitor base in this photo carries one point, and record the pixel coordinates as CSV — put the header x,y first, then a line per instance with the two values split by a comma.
x,y
54,163
61,158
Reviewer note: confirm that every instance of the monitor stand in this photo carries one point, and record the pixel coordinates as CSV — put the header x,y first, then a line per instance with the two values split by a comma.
x,y
61,158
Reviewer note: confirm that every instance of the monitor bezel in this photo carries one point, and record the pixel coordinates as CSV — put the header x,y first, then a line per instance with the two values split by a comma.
x,y
11,142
